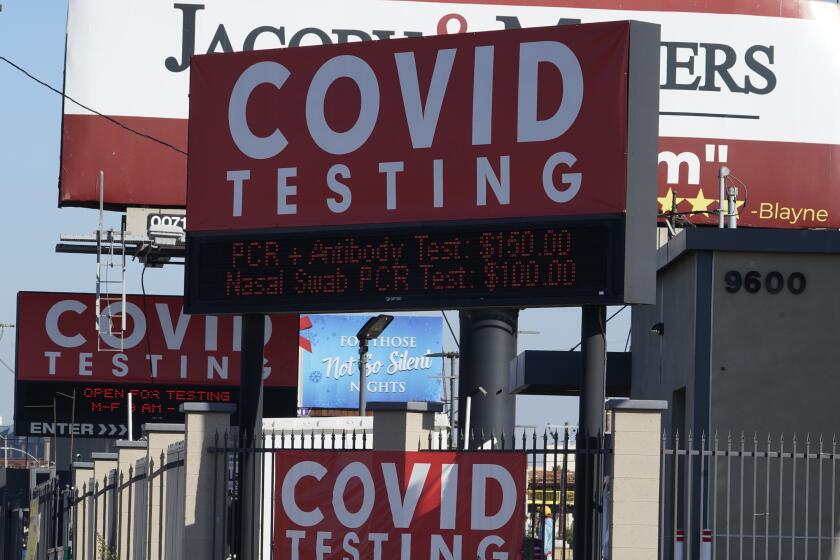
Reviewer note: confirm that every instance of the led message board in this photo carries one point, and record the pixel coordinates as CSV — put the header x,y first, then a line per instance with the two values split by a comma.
x,y
101,409
512,168
537,263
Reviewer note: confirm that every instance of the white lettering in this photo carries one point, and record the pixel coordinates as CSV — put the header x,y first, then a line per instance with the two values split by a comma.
x,y
53,315
343,66
485,175
448,495
118,339
119,361
154,359
51,356
529,127
402,511
348,519
437,179
285,190
211,333
491,540
339,206
351,539
253,146
441,550
295,537
214,367
238,178
173,336
85,363
482,117
422,121
573,180
287,493
391,168
321,548
479,520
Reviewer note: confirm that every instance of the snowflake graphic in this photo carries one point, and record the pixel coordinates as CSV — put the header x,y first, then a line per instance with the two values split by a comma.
x,y
315,376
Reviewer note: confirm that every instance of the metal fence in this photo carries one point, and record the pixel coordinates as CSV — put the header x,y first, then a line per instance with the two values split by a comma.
x,y
88,523
549,523
139,514
745,496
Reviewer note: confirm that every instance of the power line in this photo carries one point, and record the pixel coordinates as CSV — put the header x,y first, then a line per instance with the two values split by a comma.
x,y
2,332
608,320
452,332
94,111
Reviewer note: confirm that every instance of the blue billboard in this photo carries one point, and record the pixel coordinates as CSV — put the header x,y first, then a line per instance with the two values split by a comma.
x,y
397,368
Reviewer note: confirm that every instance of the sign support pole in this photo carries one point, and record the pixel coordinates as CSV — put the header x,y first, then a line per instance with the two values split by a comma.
x,y
363,355
250,428
488,344
589,467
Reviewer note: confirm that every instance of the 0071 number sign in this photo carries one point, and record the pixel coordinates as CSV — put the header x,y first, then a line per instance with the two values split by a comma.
x,y
547,262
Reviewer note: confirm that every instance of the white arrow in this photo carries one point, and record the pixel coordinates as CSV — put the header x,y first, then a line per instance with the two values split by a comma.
x,y
102,429
123,429
113,430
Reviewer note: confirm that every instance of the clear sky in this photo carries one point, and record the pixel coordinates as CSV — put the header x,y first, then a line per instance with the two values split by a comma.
x,y
32,34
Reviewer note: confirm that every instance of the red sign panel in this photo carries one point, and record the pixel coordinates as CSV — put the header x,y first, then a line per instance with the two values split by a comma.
x,y
382,505
520,123
58,340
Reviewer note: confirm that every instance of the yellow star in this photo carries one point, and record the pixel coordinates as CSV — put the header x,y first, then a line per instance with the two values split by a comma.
x,y
700,203
665,201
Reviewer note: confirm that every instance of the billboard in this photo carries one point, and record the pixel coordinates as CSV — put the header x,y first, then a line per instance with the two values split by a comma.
x,y
744,84
354,193
164,358
379,504
397,368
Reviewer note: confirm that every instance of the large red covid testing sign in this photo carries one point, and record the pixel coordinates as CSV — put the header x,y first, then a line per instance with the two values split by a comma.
x,y
506,168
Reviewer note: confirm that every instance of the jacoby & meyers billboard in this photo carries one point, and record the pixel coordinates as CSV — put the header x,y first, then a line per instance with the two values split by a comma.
x,y
747,85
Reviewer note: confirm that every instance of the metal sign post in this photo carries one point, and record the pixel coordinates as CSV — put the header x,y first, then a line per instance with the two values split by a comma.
x,y
250,425
591,418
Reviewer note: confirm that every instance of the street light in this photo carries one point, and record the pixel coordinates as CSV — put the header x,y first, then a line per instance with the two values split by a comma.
x,y
369,331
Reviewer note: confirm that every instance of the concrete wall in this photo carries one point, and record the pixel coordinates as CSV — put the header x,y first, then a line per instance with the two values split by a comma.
x,y
776,356
160,437
104,466
82,475
205,478
128,452
633,511
663,364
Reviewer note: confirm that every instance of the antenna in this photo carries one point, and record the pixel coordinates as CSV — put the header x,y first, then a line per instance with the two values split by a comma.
x,y
722,174
108,249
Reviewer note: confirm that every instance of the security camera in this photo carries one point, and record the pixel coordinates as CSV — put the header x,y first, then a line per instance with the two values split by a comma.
x,y
166,234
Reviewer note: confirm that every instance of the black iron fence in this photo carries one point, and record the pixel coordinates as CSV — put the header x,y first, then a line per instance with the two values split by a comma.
x,y
749,496
132,515
139,513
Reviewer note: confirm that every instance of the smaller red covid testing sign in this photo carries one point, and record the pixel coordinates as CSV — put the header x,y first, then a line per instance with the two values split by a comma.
x,y
399,505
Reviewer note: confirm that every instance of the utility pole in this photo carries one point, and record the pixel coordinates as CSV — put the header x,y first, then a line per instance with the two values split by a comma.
x,y
451,377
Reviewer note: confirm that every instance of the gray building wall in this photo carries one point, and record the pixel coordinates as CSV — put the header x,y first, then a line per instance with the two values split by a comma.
x,y
662,365
752,362
776,357
756,361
